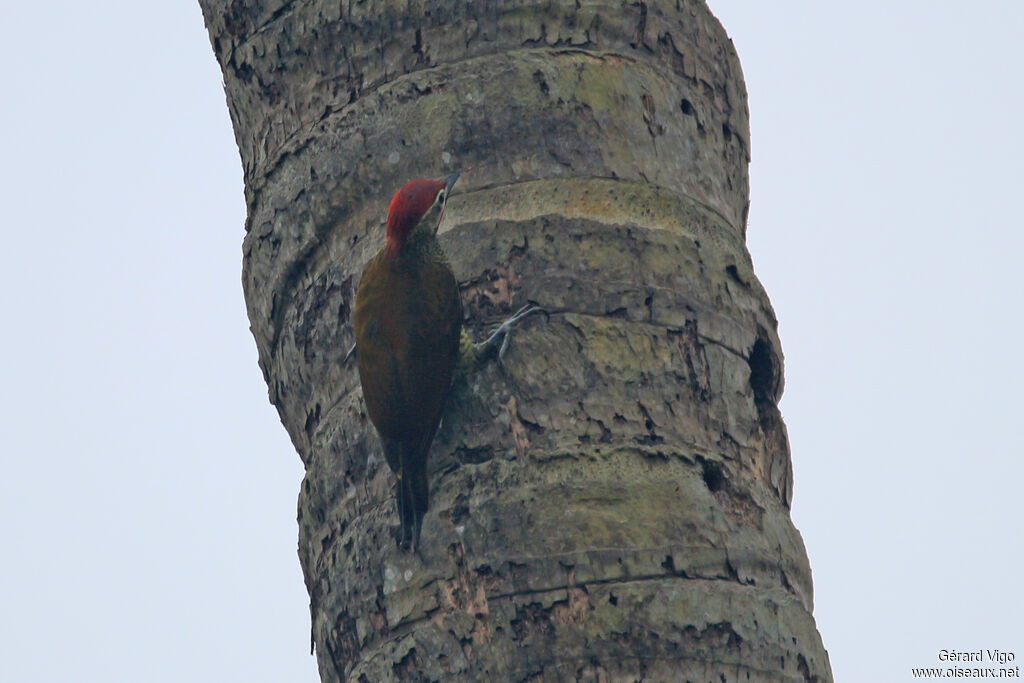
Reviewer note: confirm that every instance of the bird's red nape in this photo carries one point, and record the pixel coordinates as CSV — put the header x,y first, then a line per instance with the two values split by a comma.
x,y
407,207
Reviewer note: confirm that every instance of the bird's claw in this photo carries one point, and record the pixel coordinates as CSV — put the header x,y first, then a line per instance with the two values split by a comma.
x,y
500,337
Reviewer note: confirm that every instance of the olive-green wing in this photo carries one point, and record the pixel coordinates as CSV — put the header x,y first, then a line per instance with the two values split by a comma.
x,y
407,323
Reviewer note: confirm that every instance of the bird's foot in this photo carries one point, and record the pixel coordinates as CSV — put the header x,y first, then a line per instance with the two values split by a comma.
x,y
497,343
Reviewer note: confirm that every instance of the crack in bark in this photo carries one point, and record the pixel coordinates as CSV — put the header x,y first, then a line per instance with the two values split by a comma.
x,y
328,418
261,173
405,629
723,345
260,28
532,674
311,256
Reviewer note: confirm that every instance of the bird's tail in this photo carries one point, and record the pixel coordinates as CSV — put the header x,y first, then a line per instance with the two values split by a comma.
x,y
408,459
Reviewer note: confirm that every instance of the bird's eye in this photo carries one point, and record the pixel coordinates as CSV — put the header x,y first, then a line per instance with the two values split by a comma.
x,y
440,196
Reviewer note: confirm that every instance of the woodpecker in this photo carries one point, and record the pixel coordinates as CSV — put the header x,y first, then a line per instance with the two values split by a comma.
x,y
409,340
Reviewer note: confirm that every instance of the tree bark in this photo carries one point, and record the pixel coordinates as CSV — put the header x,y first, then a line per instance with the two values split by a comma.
x,y
612,502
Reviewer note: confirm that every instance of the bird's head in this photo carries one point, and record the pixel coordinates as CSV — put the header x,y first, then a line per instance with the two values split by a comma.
x,y
415,210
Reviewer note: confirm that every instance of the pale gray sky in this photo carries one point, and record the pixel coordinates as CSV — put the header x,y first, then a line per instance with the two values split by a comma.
x,y
147,489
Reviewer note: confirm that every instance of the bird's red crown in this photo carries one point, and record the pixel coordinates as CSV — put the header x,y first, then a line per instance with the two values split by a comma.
x,y
407,208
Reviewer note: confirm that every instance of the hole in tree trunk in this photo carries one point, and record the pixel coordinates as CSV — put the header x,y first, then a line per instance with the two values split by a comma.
x,y
712,474
762,372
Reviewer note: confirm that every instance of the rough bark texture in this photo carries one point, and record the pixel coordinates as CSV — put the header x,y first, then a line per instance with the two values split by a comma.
x,y
612,503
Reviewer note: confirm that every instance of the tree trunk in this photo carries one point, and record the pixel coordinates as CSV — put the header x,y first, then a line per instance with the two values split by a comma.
x,y
612,502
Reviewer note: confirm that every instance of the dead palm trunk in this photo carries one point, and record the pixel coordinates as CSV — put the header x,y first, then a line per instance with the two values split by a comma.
x,y
613,502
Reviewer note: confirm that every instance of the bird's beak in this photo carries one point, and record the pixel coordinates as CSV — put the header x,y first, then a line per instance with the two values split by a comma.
x,y
450,181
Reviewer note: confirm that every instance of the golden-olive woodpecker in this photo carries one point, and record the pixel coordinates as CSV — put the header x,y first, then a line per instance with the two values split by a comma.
x,y
408,326
409,340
